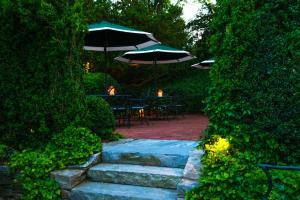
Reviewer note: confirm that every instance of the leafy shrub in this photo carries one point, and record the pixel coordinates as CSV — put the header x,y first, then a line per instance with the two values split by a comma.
x,y
286,185
100,117
73,146
33,168
94,83
232,174
191,91
227,173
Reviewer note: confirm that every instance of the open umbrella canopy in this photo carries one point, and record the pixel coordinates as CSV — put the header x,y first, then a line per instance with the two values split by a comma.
x,y
105,36
155,54
204,64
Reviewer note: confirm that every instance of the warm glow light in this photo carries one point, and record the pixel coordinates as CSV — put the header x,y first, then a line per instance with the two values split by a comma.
x,y
160,93
111,90
87,67
135,65
141,113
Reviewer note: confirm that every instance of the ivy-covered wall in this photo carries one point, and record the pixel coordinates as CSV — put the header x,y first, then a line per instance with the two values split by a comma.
x,y
255,95
254,101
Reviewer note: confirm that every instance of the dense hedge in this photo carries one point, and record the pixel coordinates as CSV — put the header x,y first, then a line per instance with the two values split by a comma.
x,y
191,90
254,102
100,117
94,83
41,69
255,90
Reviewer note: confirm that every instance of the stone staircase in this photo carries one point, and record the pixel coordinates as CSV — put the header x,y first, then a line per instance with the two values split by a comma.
x,y
139,170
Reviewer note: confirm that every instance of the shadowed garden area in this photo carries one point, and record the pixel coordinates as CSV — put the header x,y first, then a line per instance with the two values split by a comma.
x,y
76,73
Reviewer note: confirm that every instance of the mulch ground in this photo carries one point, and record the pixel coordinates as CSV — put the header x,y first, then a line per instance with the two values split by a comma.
x,y
189,127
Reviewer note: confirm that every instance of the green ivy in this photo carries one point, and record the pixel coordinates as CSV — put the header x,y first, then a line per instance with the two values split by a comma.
x,y
70,147
73,146
33,169
254,99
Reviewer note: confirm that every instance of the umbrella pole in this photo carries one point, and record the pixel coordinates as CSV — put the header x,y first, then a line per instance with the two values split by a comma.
x,y
155,76
105,70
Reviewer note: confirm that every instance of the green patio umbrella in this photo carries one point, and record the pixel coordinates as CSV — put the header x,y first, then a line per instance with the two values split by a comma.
x,y
156,54
105,36
206,64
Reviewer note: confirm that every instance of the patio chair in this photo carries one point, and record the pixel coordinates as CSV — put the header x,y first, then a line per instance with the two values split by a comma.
x,y
139,109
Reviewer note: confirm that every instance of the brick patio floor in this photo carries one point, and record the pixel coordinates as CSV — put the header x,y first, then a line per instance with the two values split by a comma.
x,y
189,127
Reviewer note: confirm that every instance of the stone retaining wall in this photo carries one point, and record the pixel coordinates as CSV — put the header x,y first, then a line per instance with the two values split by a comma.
x,y
8,190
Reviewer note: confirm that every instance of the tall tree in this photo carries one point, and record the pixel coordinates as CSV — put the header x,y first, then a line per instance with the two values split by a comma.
x,y
200,30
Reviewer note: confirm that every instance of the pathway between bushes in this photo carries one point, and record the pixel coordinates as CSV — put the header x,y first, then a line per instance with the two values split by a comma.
x,y
189,127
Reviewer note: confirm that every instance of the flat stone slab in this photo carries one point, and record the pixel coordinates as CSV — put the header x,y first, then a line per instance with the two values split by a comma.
x,y
150,176
165,153
106,191
68,178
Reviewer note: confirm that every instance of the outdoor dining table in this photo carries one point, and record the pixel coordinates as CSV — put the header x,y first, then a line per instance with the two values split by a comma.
x,y
127,108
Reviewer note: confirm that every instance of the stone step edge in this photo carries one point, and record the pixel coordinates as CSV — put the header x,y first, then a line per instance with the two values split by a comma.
x,y
139,175
90,190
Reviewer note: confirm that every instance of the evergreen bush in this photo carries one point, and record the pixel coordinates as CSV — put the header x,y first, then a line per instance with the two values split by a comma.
x,y
100,117
94,83
254,99
41,69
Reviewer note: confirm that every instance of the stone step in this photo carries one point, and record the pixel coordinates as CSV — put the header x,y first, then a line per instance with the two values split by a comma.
x,y
164,153
107,191
150,176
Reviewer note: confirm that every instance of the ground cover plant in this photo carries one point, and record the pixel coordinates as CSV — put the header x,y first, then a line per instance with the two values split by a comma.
x,y
254,100
33,167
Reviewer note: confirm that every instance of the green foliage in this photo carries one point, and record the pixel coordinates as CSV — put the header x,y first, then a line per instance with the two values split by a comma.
x,y
94,83
255,90
41,69
286,185
191,90
232,174
5,153
33,168
116,136
72,146
200,30
254,98
100,117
